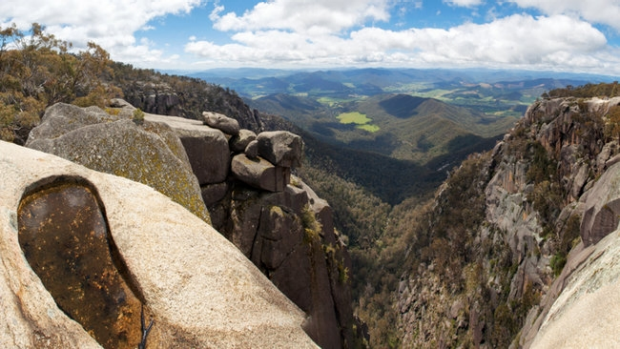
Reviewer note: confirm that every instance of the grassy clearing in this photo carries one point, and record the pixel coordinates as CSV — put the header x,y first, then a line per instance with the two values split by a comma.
x,y
369,128
361,120
354,118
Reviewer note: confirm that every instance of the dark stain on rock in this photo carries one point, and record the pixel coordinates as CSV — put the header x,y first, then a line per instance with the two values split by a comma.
x,y
64,235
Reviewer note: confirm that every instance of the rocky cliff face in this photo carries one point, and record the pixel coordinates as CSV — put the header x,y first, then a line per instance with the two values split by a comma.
x,y
243,178
188,98
482,269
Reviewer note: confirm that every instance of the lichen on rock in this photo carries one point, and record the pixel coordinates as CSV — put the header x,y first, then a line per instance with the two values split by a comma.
x,y
151,155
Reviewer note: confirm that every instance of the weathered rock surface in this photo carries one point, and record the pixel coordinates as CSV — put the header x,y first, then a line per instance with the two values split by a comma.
x,y
602,207
289,235
260,173
534,186
239,142
206,148
584,315
281,148
212,193
313,273
155,97
152,154
221,122
65,238
251,150
218,302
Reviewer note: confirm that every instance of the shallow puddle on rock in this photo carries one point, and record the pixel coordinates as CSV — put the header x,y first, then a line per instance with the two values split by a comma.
x,y
64,235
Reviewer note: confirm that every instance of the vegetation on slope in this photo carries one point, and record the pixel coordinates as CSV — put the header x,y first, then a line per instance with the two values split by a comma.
x,y
399,126
38,70
447,274
586,91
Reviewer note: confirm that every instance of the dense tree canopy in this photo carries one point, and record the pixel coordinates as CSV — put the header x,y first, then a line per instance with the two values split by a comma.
x,y
586,91
38,70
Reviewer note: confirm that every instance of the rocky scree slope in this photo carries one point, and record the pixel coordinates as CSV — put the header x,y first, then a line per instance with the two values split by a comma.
x,y
481,266
244,180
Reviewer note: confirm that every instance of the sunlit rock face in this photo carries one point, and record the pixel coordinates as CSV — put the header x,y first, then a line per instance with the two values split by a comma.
x,y
64,235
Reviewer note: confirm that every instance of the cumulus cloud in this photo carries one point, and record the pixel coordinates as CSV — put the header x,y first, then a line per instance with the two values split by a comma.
x,y
600,11
513,41
110,23
303,16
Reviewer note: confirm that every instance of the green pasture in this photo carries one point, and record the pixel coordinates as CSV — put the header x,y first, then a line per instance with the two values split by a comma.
x,y
361,120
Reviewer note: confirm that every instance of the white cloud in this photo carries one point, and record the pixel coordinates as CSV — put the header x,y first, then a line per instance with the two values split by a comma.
x,y
303,16
464,3
110,23
599,11
510,42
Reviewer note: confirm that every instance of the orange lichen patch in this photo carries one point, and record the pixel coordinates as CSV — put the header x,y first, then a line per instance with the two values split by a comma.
x,y
64,235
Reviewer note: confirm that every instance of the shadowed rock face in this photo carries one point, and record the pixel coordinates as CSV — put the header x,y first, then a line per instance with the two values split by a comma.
x,y
64,235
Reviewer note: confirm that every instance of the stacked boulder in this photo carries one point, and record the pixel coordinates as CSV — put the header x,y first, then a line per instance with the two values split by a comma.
x,y
244,180
267,160
276,220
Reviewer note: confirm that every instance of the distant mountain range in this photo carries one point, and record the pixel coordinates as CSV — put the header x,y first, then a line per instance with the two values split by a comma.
x,y
251,83
413,121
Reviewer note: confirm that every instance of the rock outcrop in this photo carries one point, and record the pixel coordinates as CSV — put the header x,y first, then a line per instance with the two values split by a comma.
x,y
281,148
196,287
206,147
283,227
221,122
260,173
151,154
189,98
601,207
262,213
289,235
520,211
584,315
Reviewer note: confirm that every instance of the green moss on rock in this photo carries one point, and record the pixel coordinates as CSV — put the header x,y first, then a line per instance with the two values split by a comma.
x,y
152,155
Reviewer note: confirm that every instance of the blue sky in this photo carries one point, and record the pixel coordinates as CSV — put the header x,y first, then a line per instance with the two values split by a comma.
x,y
560,35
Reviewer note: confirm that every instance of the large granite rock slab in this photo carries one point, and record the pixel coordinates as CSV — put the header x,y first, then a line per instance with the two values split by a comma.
x,y
206,148
65,238
585,314
602,207
200,290
152,154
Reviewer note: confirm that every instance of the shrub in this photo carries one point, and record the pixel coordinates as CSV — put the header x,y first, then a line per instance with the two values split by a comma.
x,y
138,116
312,227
